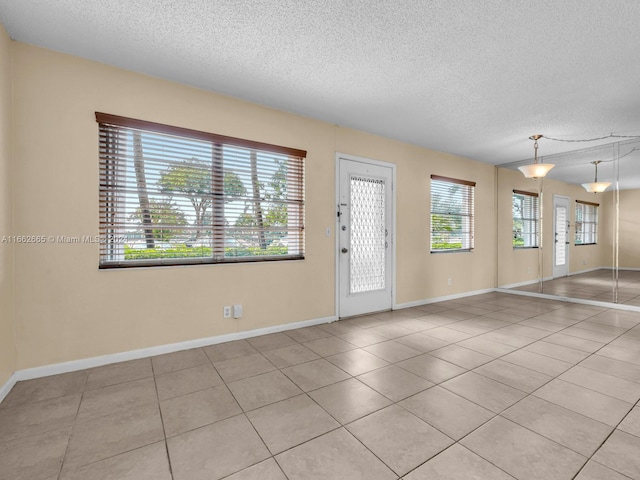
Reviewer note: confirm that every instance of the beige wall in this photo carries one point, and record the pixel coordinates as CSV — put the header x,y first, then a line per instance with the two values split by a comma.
x,y
587,257
420,274
521,265
629,229
7,346
63,308
515,265
67,309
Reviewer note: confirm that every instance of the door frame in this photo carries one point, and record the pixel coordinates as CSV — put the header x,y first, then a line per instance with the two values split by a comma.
x,y
336,227
567,240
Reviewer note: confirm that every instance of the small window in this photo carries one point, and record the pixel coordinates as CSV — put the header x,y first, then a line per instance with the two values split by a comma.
x,y
586,223
172,196
525,219
451,214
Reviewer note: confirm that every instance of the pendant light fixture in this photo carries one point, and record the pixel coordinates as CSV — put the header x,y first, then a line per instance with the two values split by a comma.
x,y
536,170
596,186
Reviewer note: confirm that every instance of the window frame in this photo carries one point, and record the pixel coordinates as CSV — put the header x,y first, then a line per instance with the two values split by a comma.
x,y
111,187
527,221
590,211
466,217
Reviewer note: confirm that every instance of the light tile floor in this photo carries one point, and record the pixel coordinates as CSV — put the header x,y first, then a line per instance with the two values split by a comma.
x,y
596,285
492,387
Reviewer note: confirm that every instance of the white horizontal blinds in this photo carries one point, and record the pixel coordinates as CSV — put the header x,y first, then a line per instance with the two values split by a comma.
x,y
452,211
172,196
263,199
525,219
586,223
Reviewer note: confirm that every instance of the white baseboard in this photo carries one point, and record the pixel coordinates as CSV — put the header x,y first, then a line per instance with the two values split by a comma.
x,y
427,301
91,362
524,293
519,284
527,282
6,388
589,270
583,301
579,272
622,269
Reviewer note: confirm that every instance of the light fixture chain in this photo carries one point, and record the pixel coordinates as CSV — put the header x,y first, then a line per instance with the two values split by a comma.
x,y
590,139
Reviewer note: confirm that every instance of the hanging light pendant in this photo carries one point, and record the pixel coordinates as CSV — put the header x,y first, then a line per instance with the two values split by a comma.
x,y
536,170
596,186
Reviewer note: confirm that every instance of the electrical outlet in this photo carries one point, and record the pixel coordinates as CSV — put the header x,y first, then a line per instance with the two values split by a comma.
x,y
237,311
449,282
226,311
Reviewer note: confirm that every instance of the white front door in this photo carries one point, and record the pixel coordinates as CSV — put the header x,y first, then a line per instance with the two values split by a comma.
x,y
365,236
560,236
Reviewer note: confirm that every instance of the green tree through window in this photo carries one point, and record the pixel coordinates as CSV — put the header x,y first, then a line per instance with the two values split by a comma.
x,y
525,207
452,207
170,195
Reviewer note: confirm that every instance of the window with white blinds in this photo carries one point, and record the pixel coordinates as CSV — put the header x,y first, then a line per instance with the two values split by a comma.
x,y
586,223
525,219
451,214
172,196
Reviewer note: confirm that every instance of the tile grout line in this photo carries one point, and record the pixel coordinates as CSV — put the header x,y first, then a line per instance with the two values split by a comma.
x,y
422,353
401,406
164,432
395,339
244,414
499,414
605,441
557,377
73,427
531,393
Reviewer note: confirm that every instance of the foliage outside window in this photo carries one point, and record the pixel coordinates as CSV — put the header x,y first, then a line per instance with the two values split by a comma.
x,y
525,219
586,223
452,226
171,196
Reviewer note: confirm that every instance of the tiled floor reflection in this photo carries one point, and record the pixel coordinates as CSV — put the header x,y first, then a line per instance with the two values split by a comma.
x,y
492,387
596,285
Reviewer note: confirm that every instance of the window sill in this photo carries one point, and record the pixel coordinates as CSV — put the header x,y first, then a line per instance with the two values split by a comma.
x,y
462,250
193,261
524,248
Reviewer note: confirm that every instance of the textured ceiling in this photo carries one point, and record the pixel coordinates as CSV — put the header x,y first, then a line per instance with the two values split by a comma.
x,y
471,77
